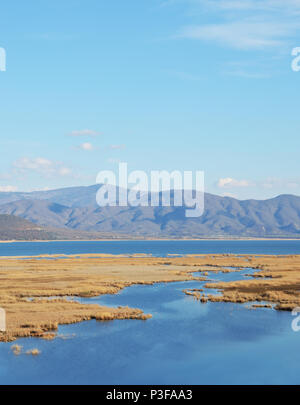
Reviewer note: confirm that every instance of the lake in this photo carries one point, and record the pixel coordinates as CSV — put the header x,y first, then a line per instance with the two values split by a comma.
x,y
186,342
156,248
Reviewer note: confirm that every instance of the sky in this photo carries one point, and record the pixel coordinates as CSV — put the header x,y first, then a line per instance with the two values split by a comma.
x,y
159,84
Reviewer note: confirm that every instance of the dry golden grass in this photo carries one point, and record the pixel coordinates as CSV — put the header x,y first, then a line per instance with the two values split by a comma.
x,y
261,306
16,349
277,282
27,285
33,352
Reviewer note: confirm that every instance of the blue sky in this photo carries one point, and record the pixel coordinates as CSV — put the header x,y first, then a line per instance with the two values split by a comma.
x,y
175,85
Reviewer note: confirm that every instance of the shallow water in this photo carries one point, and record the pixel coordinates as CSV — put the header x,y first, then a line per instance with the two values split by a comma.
x,y
186,342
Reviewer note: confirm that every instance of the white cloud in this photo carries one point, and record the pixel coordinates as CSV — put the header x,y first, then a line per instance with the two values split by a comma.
x,y
86,146
84,132
274,184
242,24
8,189
228,182
246,34
42,166
64,171
32,164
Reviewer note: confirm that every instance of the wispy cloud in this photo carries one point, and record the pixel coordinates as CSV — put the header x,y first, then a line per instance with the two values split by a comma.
x,y
229,182
278,185
275,183
8,189
87,146
42,166
243,24
246,34
84,132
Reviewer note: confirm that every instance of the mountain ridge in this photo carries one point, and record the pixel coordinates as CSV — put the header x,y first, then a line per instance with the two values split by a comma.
x,y
76,209
13,228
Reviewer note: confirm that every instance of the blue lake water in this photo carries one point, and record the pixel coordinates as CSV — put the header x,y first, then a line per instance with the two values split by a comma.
x,y
186,342
156,248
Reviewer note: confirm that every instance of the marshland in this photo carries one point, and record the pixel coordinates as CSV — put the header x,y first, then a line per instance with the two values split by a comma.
x,y
128,309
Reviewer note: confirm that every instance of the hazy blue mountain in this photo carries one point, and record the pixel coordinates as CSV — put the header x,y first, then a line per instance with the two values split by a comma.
x,y
71,197
15,228
75,208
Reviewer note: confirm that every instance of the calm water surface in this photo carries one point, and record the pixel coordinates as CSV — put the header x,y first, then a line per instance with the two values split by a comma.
x,y
185,342
156,248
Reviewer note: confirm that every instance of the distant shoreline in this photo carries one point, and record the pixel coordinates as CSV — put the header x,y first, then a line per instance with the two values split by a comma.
x,y
155,239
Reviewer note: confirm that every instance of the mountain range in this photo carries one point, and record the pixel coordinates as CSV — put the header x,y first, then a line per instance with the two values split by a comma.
x,y
16,228
75,209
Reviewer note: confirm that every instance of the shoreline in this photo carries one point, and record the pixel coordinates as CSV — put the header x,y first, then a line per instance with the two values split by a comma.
x,y
155,240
